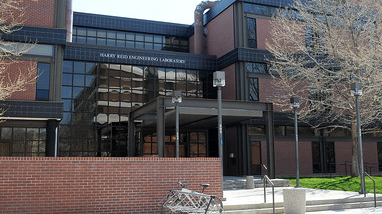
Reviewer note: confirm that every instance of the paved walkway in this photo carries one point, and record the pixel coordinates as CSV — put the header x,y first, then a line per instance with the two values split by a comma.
x,y
247,196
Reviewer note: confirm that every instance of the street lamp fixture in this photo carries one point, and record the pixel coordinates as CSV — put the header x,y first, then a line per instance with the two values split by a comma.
x,y
219,82
219,79
296,104
177,99
356,91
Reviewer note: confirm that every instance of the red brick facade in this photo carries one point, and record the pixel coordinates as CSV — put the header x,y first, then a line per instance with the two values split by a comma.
x,y
220,38
229,90
263,32
22,68
38,13
99,185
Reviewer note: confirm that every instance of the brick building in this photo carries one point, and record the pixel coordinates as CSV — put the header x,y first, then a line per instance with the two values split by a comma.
x,y
111,80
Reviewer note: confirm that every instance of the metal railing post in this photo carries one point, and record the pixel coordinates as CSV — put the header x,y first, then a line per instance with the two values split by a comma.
x,y
375,195
266,179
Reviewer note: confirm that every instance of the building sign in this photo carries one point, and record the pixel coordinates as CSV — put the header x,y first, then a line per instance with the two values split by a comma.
x,y
143,58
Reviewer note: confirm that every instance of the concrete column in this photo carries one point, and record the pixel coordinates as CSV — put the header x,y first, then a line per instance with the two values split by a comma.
x,y
160,127
268,116
131,145
51,138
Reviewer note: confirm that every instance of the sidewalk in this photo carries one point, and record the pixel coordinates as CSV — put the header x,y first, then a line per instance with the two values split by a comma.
x,y
249,196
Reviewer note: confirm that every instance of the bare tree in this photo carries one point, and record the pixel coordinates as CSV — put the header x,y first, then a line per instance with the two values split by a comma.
x,y
319,48
13,78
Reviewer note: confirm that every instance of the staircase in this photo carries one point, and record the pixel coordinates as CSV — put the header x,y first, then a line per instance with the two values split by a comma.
x,y
242,201
311,206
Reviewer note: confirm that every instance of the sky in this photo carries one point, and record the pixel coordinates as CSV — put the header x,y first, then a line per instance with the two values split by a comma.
x,y
175,11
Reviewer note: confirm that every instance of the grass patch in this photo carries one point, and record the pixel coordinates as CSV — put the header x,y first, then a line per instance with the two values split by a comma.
x,y
340,183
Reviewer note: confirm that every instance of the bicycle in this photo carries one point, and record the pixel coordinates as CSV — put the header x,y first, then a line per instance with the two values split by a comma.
x,y
188,201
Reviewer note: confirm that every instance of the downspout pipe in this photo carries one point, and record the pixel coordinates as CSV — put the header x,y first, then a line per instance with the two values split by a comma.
x,y
198,25
69,20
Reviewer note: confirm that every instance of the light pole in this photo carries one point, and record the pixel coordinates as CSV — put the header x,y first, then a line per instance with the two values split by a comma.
x,y
356,91
296,104
177,99
219,82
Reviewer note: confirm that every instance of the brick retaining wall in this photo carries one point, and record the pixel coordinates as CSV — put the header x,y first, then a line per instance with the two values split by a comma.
x,y
99,185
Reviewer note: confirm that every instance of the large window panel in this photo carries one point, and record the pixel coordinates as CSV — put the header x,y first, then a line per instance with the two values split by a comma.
x,y
43,81
99,96
251,33
253,89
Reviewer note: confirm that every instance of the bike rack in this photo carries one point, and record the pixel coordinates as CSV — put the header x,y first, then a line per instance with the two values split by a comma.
x,y
187,201
375,195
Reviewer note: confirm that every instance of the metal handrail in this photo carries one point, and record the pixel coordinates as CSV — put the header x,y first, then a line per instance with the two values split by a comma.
x,y
375,195
265,180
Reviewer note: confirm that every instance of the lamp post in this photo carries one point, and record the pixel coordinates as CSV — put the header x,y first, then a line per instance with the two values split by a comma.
x,y
356,91
219,82
177,99
296,104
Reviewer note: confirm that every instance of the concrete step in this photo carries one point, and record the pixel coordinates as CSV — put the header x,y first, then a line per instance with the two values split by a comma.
x,y
311,206
241,183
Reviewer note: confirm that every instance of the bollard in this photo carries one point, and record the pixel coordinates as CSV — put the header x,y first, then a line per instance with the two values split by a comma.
x,y
250,183
294,200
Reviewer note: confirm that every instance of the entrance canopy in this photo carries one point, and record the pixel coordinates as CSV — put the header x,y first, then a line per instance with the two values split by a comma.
x,y
198,113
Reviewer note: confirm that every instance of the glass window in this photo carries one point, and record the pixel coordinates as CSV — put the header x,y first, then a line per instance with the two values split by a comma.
x,y
90,81
129,44
78,80
253,89
101,33
111,42
43,76
256,130
258,68
158,39
68,66
81,31
92,41
323,157
67,79
43,81
139,45
90,68
181,75
139,37
67,105
121,35
100,94
251,33
101,41
6,133
259,9
149,46
92,32
130,36
111,34
23,141
81,39
79,67
42,94
149,38
158,47
121,43
66,92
